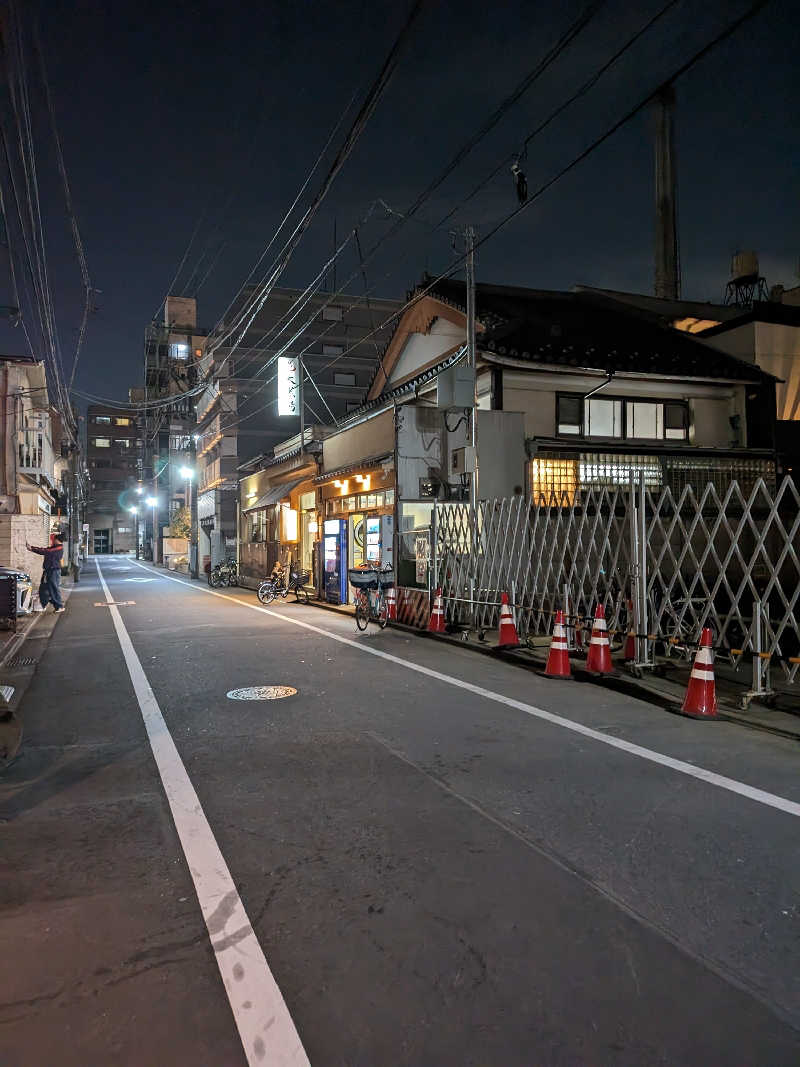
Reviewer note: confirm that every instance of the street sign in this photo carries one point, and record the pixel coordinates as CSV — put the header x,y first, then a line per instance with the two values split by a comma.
x,y
422,552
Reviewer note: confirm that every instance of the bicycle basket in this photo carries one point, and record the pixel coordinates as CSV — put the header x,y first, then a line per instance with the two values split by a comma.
x,y
363,579
300,577
386,578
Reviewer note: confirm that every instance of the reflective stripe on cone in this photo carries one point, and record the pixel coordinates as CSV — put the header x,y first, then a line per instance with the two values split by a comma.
x,y
558,658
700,701
598,661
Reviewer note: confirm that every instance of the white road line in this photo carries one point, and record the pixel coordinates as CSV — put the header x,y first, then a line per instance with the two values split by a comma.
x,y
720,781
265,1027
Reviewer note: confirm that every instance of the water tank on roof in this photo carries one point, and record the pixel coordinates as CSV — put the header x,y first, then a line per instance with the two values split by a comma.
x,y
744,265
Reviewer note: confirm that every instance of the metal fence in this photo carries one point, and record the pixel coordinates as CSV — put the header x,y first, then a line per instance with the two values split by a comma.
x,y
664,566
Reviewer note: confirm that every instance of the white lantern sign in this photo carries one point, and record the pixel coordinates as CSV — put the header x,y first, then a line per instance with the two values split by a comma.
x,y
288,386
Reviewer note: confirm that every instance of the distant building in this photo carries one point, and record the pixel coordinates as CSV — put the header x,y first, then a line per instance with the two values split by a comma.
x,y
237,416
173,364
113,451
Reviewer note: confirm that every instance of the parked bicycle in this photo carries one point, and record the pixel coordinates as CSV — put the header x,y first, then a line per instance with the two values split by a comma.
x,y
370,585
276,585
223,574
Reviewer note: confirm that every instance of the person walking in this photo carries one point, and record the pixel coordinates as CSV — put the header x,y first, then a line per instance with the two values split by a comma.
x,y
50,585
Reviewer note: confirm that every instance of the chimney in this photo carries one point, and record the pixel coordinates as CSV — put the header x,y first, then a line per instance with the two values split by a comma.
x,y
667,280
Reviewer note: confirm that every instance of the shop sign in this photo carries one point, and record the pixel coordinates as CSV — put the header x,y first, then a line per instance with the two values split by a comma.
x,y
422,551
288,382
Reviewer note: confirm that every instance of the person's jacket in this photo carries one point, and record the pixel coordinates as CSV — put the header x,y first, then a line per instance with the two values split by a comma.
x,y
52,556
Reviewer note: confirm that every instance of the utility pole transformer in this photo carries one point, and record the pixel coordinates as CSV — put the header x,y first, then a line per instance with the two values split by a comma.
x,y
667,279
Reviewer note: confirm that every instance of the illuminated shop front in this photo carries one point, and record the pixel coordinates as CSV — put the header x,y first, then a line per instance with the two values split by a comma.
x,y
358,524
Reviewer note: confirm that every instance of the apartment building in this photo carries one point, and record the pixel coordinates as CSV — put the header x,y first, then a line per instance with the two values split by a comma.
x,y
113,453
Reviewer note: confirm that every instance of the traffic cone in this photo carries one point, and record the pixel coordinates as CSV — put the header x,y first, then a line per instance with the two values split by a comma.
x,y
630,642
391,603
508,631
599,658
436,624
701,695
558,659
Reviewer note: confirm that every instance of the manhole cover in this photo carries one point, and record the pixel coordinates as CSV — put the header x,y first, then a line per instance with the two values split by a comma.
x,y
262,692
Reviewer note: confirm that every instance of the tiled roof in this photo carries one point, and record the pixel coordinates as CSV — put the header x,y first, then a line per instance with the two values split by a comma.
x,y
579,330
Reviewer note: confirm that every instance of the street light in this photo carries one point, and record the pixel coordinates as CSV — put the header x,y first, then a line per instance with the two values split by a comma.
x,y
139,489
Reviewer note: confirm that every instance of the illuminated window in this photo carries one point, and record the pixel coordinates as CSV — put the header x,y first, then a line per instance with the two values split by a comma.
x,y
120,421
102,418
644,419
123,442
553,481
102,442
179,350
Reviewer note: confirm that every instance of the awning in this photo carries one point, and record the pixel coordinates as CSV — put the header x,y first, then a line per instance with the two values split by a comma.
x,y
276,494
342,472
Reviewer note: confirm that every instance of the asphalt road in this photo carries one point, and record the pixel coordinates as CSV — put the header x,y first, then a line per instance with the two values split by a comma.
x,y
438,858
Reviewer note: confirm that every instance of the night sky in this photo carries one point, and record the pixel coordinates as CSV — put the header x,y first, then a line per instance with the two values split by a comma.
x,y
176,114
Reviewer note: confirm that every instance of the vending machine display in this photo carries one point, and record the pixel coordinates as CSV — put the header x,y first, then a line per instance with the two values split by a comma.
x,y
335,560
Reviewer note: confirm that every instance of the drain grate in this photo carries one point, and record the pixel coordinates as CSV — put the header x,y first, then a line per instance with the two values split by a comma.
x,y
22,661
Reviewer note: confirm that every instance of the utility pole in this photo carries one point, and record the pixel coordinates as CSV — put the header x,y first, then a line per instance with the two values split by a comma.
x,y
193,538
469,234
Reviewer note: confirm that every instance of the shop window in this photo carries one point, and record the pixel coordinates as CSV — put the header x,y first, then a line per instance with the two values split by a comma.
x,y
256,526
553,481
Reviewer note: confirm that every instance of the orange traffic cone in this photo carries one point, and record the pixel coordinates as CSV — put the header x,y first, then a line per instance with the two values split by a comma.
x,y
391,603
630,642
436,624
558,660
599,658
508,631
701,695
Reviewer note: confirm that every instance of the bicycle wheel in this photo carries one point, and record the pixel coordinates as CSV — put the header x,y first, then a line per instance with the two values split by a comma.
x,y
302,594
362,612
215,579
382,616
266,592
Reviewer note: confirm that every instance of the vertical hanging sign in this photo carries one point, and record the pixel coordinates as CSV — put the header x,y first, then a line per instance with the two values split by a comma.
x,y
288,386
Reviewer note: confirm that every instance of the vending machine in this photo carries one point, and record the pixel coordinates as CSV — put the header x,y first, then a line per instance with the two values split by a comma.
x,y
387,540
335,560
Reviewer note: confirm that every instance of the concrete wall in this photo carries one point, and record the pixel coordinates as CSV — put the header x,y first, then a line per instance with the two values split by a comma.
x,y
501,453
775,347
710,405
15,530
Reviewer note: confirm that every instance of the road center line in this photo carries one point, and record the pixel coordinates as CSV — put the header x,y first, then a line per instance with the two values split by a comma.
x,y
265,1027
720,781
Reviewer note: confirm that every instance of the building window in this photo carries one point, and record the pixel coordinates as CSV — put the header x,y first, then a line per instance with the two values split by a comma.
x,y
344,379
101,442
332,350
676,422
123,442
179,350
602,418
569,414
333,313
103,418
120,421
124,529
638,420
257,526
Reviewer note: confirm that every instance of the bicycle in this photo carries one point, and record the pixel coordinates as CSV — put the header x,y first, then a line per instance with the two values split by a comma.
x,y
223,574
276,585
370,601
